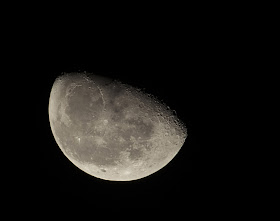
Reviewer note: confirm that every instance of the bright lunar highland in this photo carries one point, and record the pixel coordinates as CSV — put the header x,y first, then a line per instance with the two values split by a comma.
x,y
112,130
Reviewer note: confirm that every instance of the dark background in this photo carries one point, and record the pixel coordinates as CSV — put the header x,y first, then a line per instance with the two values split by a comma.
x,y
177,80
178,67
193,58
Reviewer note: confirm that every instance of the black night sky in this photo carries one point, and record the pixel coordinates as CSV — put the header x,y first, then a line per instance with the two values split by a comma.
x,y
186,56
176,73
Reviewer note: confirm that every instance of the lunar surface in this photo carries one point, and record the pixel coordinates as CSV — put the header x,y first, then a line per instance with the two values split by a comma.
x,y
112,130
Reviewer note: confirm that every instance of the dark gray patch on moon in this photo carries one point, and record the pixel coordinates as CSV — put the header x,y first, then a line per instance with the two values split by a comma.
x,y
144,130
81,108
135,154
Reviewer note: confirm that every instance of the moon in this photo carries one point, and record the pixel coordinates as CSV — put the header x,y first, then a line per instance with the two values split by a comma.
x,y
111,130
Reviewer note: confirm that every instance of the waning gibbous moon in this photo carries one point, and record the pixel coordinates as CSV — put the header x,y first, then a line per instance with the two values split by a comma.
x,y
112,130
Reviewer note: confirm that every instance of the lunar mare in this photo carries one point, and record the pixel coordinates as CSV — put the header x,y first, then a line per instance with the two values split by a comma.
x,y
111,130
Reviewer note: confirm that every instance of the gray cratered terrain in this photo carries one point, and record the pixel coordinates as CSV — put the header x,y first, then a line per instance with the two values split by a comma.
x,y
111,130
